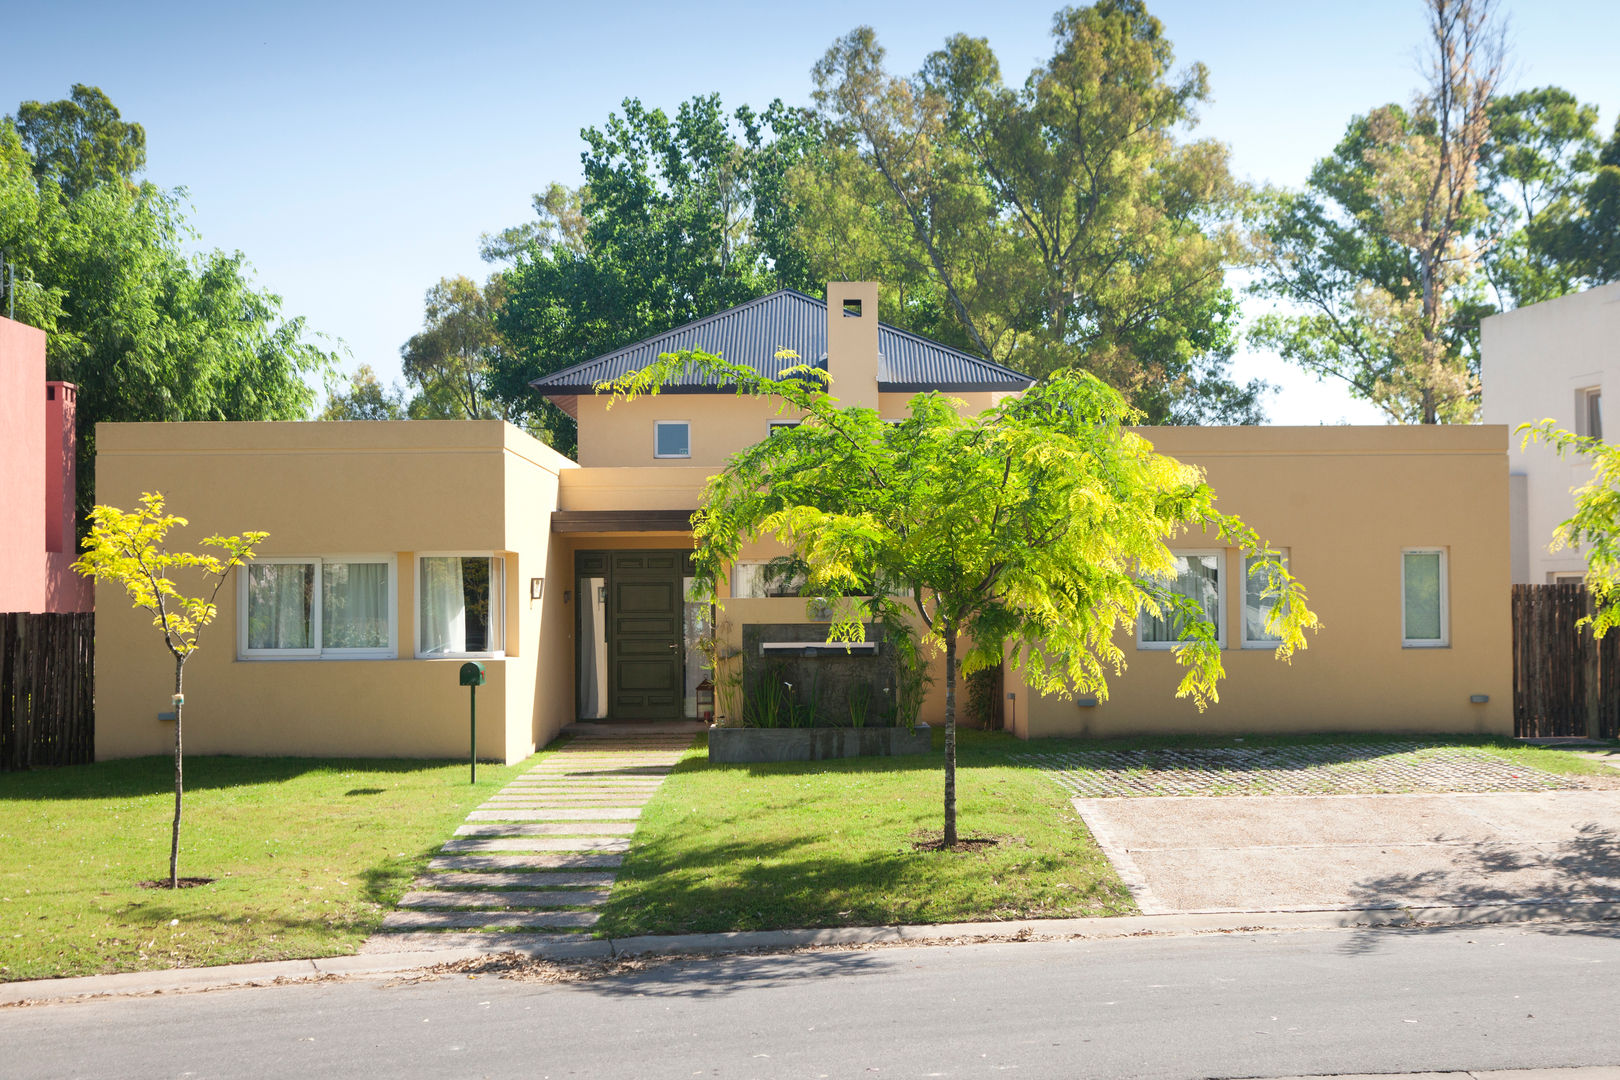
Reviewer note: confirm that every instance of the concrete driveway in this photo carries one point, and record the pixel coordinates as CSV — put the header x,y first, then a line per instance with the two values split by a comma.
x,y
1278,853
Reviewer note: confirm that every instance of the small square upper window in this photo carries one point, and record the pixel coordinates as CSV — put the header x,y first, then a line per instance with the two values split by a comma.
x,y
672,438
1589,412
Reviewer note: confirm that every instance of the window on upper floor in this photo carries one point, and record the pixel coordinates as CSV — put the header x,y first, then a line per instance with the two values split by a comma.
x,y
672,439
340,607
1424,620
1589,411
1198,578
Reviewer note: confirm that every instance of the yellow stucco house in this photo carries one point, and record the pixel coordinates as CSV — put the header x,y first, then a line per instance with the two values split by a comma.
x,y
398,550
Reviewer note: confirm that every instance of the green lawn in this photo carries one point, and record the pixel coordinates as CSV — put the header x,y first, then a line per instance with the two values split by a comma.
x,y
308,855
752,847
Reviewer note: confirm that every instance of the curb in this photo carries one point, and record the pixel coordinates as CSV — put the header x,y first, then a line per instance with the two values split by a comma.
x,y
283,972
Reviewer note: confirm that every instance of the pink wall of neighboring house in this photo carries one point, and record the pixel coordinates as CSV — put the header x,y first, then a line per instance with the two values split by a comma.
x,y
36,480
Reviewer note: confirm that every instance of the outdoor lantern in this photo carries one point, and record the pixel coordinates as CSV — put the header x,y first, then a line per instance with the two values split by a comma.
x,y
472,677
705,700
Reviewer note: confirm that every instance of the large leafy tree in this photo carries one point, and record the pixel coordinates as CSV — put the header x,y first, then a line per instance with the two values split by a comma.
x,y
147,331
1534,171
1378,259
1039,528
1062,224
678,217
81,141
451,358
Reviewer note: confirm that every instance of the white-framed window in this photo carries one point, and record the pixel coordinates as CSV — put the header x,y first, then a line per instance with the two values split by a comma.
x,y
672,438
459,609
1424,599
750,581
334,607
1199,577
1257,606
1589,411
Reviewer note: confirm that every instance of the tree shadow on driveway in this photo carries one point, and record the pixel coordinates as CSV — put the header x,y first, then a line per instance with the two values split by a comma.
x,y
1545,879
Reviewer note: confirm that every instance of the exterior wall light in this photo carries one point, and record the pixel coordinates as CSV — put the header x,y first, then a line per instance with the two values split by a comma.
x,y
1478,699
537,586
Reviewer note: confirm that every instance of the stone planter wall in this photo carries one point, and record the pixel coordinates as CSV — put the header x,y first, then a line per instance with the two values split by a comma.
x,y
739,745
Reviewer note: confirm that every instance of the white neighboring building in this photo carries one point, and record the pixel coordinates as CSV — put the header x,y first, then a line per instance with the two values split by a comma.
x,y
1553,359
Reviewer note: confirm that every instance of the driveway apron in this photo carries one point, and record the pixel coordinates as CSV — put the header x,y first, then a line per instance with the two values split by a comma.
x,y
531,866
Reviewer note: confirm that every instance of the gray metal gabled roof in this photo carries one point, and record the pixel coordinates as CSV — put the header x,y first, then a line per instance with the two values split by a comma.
x,y
753,333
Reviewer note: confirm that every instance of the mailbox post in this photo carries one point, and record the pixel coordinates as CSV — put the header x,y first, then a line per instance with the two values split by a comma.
x,y
472,677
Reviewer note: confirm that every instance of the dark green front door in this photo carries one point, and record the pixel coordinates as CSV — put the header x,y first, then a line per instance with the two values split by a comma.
x,y
644,607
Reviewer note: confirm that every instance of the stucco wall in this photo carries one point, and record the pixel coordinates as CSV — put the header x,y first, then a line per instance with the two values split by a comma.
x,y
1533,362
329,489
22,467
1344,501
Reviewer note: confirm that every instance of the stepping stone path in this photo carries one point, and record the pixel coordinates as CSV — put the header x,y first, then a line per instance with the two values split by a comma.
x,y
533,863
1345,769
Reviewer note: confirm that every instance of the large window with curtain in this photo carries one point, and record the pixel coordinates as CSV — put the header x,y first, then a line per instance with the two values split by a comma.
x,y
339,607
458,609
1198,578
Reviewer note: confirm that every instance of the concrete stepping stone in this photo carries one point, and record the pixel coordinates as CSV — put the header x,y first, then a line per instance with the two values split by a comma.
x,y
559,813
569,804
556,898
535,843
596,860
550,828
538,879
472,920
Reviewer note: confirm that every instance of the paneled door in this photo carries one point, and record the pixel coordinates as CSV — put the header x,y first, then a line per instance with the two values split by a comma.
x,y
645,662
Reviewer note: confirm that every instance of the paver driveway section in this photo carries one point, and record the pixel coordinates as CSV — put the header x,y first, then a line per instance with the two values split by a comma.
x,y
531,865
1361,851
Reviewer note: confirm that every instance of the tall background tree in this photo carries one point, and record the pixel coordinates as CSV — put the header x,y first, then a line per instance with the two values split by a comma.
x,y
147,331
1065,223
1426,219
678,217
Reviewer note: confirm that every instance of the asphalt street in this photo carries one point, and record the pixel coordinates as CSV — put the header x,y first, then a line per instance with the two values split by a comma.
x,y
1231,1005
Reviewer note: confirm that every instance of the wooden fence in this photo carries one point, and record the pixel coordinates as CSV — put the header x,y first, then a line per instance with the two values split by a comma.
x,y
1565,683
47,699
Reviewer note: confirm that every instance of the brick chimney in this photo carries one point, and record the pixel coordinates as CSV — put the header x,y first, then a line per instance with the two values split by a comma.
x,y
852,341
60,466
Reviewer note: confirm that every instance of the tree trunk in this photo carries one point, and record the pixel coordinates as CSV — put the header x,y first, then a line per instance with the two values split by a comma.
x,y
950,736
174,833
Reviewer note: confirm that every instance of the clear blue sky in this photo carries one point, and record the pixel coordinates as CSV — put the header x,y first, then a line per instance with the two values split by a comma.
x,y
356,152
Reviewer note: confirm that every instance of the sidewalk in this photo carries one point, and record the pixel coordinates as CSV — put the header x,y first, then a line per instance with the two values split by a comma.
x,y
376,965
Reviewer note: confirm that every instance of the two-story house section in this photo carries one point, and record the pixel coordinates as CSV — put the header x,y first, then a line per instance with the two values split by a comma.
x,y
1552,360
625,512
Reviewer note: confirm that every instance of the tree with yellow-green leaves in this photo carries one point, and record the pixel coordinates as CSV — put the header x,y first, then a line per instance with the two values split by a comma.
x,y
1033,532
127,548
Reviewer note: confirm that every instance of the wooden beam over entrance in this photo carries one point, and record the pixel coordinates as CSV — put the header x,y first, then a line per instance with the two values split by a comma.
x,y
574,521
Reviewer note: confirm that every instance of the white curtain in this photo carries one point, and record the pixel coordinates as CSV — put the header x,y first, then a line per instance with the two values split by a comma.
x,y
354,605
279,605
444,623
592,603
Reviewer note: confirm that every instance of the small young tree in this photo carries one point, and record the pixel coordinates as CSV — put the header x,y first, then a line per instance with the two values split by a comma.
x,y
126,547
1042,524
1595,525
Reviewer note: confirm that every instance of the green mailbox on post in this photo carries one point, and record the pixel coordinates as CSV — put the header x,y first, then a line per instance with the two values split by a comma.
x,y
472,677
